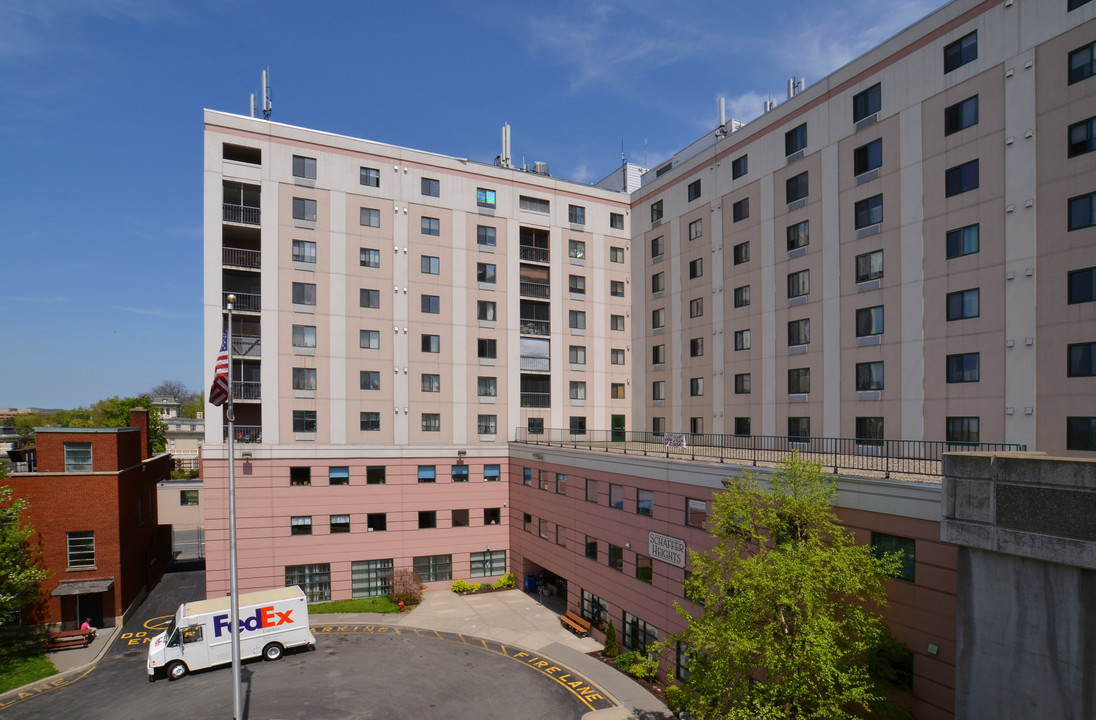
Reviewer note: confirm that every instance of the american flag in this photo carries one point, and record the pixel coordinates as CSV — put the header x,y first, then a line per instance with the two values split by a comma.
x,y
218,393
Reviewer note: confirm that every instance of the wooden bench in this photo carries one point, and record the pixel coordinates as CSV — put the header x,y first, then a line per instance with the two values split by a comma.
x,y
575,624
68,639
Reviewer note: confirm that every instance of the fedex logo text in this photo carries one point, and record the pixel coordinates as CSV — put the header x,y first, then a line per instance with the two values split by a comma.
x,y
264,617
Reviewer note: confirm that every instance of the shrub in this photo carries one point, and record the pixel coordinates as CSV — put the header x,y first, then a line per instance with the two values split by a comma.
x,y
485,586
506,581
643,667
460,586
406,586
625,660
611,650
677,699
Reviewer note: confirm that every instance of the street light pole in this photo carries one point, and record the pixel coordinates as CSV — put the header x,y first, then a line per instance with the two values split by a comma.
x,y
233,573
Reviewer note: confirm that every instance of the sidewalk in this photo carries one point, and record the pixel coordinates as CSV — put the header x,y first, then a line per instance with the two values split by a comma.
x,y
75,658
514,618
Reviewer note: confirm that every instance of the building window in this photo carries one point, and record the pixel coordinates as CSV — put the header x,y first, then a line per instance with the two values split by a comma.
x,y
867,103
658,247
1072,5
430,187
78,457
616,222
81,548
188,497
658,390
369,339
616,391
963,304
561,484
799,283
487,424
492,473
658,318
304,293
430,382
797,187
304,251
533,204
616,288
742,340
962,368
369,298
637,634
304,167
798,235
430,304
616,322
428,519
577,390
304,378
370,258
696,387
868,212
658,282
1082,211
1082,286
488,564
962,241
314,580
594,609
867,157
431,422
741,253
961,115
658,354
799,427
1082,63
616,557
430,265
1082,359
577,424
304,421
961,52
431,343
696,268
740,210
696,512
430,226
869,266
576,284
869,321
1081,433
338,475
740,166
433,568
869,431
591,491
576,214
741,426
304,209
696,347
616,254
485,235
1082,138
645,503
370,177
527,476
696,229
370,217
300,476
869,376
459,517
616,496
375,475
961,429
304,336
883,544
370,422
644,570
340,524
576,249
371,578
576,354
485,273
485,310
799,381
300,525
656,211
961,178
795,140
658,425
535,426
485,198
696,307
693,190
742,384
799,332
576,319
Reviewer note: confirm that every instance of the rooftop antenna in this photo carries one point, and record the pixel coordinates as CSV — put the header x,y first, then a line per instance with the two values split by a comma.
x,y
644,152
721,131
267,105
623,168
504,157
252,104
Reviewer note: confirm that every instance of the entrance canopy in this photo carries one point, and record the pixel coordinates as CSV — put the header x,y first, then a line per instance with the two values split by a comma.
x,y
83,587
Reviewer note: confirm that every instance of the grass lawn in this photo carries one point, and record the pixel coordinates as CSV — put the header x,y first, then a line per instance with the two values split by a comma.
x,y
361,605
22,661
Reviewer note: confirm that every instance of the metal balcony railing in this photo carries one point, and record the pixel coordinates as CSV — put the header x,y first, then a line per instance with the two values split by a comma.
x,y
239,257
536,327
534,289
242,214
536,400
245,433
247,302
863,456
534,254
245,346
246,390
536,364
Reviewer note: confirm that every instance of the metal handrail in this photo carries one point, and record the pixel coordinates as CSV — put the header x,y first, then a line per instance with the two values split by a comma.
x,y
247,302
534,254
241,257
536,327
534,289
242,214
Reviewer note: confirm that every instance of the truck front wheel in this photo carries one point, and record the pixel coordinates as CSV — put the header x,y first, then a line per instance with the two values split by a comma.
x,y
273,651
176,669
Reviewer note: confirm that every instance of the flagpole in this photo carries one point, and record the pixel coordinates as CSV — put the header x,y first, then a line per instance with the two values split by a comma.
x,y
234,590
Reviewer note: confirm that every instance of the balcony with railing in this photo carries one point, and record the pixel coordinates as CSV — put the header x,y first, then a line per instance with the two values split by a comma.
x,y
244,346
241,258
245,433
535,364
243,214
533,254
534,289
529,326
247,390
536,400
245,302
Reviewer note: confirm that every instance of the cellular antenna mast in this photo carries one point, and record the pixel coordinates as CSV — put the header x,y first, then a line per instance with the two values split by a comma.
x,y
267,104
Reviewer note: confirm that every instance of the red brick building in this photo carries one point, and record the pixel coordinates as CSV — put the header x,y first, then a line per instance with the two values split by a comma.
x,y
93,506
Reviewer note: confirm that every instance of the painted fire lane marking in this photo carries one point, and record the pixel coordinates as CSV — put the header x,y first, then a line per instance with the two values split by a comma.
x,y
35,691
159,623
588,693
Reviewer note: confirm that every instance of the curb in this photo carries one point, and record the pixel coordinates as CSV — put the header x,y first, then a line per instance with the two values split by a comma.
x,y
115,632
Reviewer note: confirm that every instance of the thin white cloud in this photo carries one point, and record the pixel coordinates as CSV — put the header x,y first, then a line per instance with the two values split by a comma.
x,y
41,300
746,107
154,312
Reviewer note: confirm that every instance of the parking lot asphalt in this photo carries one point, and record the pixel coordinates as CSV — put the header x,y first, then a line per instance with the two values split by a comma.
x,y
496,655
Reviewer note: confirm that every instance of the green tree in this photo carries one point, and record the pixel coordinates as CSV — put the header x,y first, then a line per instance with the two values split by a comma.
x,y
194,406
610,650
114,412
22,574
790,604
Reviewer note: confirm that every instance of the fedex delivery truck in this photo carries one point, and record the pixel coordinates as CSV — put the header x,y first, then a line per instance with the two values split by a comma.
x,y
200,635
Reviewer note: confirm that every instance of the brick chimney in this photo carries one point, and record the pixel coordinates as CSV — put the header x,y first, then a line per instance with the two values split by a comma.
x,y
138,418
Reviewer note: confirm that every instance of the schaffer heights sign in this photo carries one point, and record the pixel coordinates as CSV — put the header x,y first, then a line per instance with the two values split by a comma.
x,y
667,549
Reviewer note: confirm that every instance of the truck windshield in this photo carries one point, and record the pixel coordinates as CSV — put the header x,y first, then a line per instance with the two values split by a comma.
x,y
170,635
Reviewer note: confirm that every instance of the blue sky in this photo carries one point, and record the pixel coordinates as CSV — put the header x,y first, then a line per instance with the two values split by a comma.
x,y
101,130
